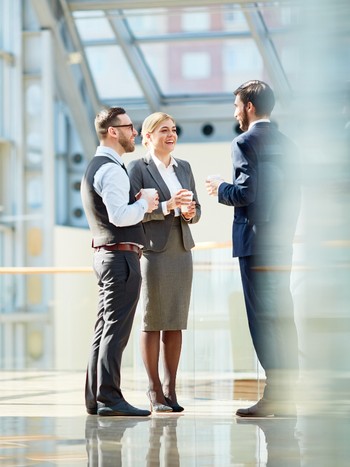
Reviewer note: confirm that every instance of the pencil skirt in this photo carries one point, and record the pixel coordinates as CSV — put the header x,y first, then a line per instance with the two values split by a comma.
x,y
167,284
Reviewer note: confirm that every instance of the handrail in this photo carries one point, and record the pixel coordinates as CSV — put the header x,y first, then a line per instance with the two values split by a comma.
x,y
45,270
199,266
88,269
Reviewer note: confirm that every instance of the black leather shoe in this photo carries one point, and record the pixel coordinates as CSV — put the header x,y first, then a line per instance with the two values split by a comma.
x,y
91,410
122,409
267,408
176,407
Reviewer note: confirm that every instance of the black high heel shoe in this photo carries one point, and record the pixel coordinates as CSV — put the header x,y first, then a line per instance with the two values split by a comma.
x,y
157,406
176,407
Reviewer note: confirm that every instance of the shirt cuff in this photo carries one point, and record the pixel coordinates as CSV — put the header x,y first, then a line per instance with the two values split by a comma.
x,y
143,203
164,208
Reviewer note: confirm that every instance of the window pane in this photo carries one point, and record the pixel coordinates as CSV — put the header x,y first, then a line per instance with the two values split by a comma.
x,y
111,72
277,17
93,25
224,63
196,22
196,65
288,52
142,23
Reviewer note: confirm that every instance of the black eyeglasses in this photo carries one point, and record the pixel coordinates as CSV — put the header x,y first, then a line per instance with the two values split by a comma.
x,y
129,125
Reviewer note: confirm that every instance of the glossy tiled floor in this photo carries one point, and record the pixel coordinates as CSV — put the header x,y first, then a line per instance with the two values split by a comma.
x,y
43,423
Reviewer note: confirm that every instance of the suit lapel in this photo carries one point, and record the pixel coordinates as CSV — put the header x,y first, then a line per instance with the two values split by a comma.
x,y
154,172
182,176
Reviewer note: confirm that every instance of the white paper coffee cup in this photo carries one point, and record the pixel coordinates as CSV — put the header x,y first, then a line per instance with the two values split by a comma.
x,y
213,177
150,191
189,197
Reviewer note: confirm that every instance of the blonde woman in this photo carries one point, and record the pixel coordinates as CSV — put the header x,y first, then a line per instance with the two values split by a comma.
x,y
167,261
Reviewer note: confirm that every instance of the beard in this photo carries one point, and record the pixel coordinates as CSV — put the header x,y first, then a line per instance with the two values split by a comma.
x,y
127,144
244,123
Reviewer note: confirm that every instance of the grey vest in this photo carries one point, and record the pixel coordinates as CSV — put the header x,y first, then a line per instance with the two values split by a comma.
x,y
103,231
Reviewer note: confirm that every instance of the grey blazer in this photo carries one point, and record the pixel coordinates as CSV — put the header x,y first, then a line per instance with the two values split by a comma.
x,y
143,173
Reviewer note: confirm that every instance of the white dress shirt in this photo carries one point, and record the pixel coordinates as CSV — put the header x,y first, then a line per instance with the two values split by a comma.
x,y
112,183
170,179
258,121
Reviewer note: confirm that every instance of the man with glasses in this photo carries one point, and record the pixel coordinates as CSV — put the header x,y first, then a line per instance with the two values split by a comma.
x,y
114,215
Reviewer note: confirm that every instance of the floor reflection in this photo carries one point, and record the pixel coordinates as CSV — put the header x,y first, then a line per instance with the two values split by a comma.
x,y
162,432
105,441
43,423
279,437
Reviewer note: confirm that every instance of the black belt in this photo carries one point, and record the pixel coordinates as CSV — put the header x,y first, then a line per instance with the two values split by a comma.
x,y
121,247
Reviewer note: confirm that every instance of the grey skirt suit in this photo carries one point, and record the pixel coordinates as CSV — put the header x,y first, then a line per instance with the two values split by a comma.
x,y
167,260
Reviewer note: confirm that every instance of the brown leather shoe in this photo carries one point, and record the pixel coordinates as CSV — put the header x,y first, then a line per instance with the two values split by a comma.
x,y
267,408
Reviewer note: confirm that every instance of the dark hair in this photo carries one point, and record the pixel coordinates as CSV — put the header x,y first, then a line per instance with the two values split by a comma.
x,y
106,118
259,94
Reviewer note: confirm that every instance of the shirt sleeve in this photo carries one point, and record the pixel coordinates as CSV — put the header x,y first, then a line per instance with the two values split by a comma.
x,y
112,183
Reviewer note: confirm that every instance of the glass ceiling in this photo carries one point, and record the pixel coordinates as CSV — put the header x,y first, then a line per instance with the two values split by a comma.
x,y
186,59
154,55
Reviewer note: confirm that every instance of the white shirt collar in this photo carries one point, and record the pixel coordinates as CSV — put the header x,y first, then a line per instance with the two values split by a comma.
x,y
159,163
108,151
265,120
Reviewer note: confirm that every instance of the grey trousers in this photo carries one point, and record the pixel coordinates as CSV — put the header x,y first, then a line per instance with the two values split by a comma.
x,y
119,280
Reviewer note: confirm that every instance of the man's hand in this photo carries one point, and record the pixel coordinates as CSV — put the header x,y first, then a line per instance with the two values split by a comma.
x,y
212,184
151,196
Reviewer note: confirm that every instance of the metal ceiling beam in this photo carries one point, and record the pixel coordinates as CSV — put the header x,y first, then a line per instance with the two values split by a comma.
x,y
136,62
76,5
90,85
66,81
174,37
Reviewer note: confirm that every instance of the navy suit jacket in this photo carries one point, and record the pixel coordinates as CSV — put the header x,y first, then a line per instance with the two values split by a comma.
x,y
265,191
143,173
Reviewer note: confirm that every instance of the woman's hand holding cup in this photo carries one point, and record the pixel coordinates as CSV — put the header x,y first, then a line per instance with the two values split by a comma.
x,y
186,200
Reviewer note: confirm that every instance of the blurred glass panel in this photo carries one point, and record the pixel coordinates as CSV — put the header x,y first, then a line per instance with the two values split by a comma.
x,y
289,56
2,23
93,25
324,67
277,16
2,111
111,73
217,339
199,67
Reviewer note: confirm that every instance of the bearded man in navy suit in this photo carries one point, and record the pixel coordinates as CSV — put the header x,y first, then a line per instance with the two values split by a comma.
x,y
265,193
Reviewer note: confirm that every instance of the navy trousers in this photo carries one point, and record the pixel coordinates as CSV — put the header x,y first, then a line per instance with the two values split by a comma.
x,y
119,281
269,306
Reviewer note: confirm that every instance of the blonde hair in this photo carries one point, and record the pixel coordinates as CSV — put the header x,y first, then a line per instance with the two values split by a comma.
x,y
151,122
